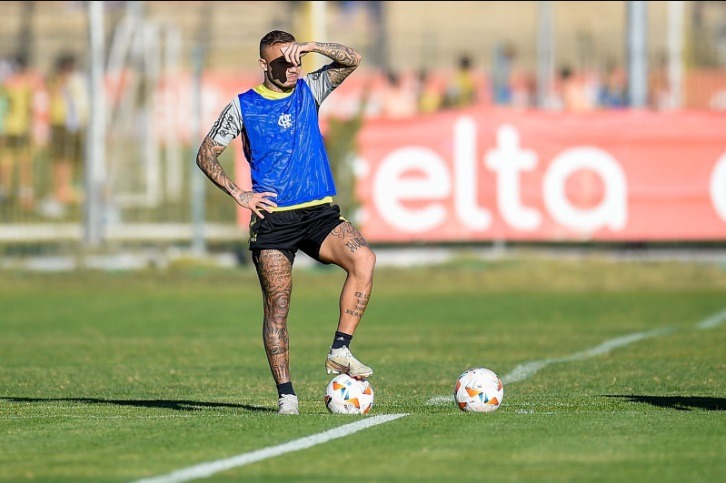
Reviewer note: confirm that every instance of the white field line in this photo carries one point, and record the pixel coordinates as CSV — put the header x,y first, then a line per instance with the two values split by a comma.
x,y
712,321
523,371
528,369
204,470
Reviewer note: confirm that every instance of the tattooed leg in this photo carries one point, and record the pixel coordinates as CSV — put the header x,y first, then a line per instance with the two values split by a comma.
x,y
275,273
346,247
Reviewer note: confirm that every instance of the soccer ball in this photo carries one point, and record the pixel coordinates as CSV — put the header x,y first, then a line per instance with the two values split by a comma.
x,y
346,395
478,390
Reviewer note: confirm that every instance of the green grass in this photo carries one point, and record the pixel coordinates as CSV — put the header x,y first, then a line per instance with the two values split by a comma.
x,y
118,376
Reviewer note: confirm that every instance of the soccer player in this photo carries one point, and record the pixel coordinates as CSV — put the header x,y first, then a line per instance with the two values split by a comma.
x,y
292,196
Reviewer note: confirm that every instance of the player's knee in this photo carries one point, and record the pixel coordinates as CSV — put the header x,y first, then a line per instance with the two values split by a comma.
x,y
371,259
365,263
281,302
277,307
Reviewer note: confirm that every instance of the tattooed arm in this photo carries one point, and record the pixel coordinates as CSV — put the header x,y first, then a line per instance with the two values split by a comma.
x,y
208,162
345,59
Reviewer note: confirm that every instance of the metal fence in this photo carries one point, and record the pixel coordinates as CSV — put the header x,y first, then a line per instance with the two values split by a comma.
x,y
155,57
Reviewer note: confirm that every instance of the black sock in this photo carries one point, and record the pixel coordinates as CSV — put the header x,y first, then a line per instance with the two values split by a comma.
x,y
341,339
285,388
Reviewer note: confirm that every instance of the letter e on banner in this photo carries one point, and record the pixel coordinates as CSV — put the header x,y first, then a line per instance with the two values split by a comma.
x,y
391,188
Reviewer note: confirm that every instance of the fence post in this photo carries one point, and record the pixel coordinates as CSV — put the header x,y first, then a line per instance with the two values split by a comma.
x,y
545,54
637,54
198,179
95,172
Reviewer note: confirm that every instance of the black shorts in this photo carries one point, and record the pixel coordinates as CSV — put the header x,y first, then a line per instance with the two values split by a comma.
x,y
66,145
290,230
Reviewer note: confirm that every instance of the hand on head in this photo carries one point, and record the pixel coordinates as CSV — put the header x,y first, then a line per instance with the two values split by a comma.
x,y
294,52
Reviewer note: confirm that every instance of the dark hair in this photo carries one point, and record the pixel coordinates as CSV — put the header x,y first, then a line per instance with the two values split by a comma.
x,y
65,61
21,60
275,37
464,62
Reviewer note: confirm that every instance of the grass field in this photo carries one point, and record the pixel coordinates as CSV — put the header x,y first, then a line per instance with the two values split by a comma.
x,y
612,372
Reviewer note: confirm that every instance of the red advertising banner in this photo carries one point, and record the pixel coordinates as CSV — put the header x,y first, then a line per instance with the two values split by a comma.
x,y
492,174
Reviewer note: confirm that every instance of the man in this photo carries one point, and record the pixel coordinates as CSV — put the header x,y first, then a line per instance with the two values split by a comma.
x,y
462,91
291,196
69,111
16,155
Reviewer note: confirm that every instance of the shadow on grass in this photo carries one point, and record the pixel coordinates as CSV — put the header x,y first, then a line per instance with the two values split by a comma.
x,y
177,405
681,403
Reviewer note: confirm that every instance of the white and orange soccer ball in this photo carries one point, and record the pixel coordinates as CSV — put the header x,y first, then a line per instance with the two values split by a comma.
x,y
346,395
478,390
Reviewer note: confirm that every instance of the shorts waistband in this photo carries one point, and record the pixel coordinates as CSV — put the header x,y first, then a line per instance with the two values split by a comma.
x,y
307,204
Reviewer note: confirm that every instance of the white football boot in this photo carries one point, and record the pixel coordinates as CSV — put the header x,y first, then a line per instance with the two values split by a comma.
x,y
287,404
342,361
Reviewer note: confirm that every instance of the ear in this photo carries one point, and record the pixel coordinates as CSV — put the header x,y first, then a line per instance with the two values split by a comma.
x,y
263,64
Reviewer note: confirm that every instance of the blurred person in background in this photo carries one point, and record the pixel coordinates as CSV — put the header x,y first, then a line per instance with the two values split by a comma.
x,y
523,85
613,93
511,84
461,92
575,92
69,113
19,88
5,69
505,57
659,92
399,97
292,196
430,95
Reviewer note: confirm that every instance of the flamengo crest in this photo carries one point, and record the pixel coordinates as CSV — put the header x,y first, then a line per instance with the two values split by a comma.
x,y
285,121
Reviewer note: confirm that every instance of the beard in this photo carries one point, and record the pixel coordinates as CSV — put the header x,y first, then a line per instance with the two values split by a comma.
x,y
283,79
